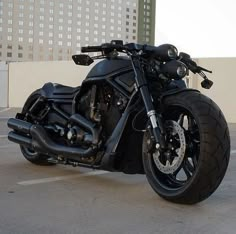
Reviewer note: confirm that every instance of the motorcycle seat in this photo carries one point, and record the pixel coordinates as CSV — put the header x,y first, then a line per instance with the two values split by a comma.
x,y
54,90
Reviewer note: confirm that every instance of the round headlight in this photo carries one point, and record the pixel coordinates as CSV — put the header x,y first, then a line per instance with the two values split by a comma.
x,y
181,71
172,52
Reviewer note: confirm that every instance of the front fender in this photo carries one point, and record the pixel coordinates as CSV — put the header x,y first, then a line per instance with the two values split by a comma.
x,y
175,91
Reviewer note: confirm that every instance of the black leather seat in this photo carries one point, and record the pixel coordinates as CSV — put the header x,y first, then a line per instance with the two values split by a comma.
x,y
53,90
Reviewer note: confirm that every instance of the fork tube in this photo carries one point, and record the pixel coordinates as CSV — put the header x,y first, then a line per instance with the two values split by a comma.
x,y
158,130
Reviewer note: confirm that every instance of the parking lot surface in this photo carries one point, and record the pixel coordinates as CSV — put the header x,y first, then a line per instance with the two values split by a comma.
x,y
63,199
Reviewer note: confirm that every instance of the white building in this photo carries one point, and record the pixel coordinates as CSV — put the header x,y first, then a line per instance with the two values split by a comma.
x,y
42,30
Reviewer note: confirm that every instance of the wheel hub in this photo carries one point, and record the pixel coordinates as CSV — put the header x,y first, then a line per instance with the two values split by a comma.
x,y
170,160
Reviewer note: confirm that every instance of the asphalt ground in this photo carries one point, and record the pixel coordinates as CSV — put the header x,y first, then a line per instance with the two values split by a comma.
x,y
63,199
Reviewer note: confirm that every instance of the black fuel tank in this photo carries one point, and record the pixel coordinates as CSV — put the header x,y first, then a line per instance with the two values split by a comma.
x,y
109,67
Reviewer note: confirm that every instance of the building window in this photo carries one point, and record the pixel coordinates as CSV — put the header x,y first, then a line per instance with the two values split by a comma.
x,y
30,40
9,47
30,56
20,39
20,47
9,54
9,38
20,55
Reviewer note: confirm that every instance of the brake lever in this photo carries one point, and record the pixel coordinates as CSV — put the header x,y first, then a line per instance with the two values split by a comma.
x,y
204,69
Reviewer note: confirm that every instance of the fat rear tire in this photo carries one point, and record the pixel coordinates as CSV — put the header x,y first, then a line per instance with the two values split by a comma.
x,y
32,156
214,150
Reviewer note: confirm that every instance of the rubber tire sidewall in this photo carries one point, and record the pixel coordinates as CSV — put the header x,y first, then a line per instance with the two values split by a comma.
x,y
190,193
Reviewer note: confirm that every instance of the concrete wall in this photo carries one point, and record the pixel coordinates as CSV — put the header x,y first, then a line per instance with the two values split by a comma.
x,y
24,78
223,91
3,84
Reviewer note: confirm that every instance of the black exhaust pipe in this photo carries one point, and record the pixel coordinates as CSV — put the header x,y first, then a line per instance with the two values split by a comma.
x,y
19,125
19,139
38,139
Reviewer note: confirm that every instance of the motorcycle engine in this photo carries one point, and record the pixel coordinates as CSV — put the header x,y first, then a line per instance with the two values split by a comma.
x,y
102,105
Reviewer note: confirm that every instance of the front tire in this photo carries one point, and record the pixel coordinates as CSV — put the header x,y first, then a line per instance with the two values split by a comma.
x,y
207,150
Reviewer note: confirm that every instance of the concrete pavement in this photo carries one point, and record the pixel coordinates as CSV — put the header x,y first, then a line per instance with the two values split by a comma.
x,y
63,199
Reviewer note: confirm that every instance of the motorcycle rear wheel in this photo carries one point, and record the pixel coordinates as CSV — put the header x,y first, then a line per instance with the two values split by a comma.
x,y
30,154
207,150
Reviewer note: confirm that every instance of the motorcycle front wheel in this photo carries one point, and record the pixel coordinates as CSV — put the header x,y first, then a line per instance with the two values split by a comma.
x,y
197,152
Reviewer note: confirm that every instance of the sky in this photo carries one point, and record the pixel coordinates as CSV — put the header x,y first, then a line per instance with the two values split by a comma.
x,y
202,28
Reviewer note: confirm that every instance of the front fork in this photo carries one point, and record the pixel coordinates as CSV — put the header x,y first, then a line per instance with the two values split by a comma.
x,y
155,119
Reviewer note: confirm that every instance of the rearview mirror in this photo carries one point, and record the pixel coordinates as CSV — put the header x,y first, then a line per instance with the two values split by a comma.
x,y
82,59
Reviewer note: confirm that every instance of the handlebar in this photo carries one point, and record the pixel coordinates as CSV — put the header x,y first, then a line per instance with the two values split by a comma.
x,y
107,47
85,49
192,65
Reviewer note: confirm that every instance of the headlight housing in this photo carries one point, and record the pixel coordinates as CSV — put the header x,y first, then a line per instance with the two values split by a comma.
x,y
174,69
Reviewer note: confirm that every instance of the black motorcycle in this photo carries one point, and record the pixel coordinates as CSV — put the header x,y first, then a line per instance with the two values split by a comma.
x,y
132,114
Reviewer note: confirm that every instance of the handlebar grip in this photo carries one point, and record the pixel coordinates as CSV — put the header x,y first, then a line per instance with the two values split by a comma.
x,y
85,49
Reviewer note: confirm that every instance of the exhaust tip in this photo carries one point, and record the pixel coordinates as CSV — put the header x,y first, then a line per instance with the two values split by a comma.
x,y
19,139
